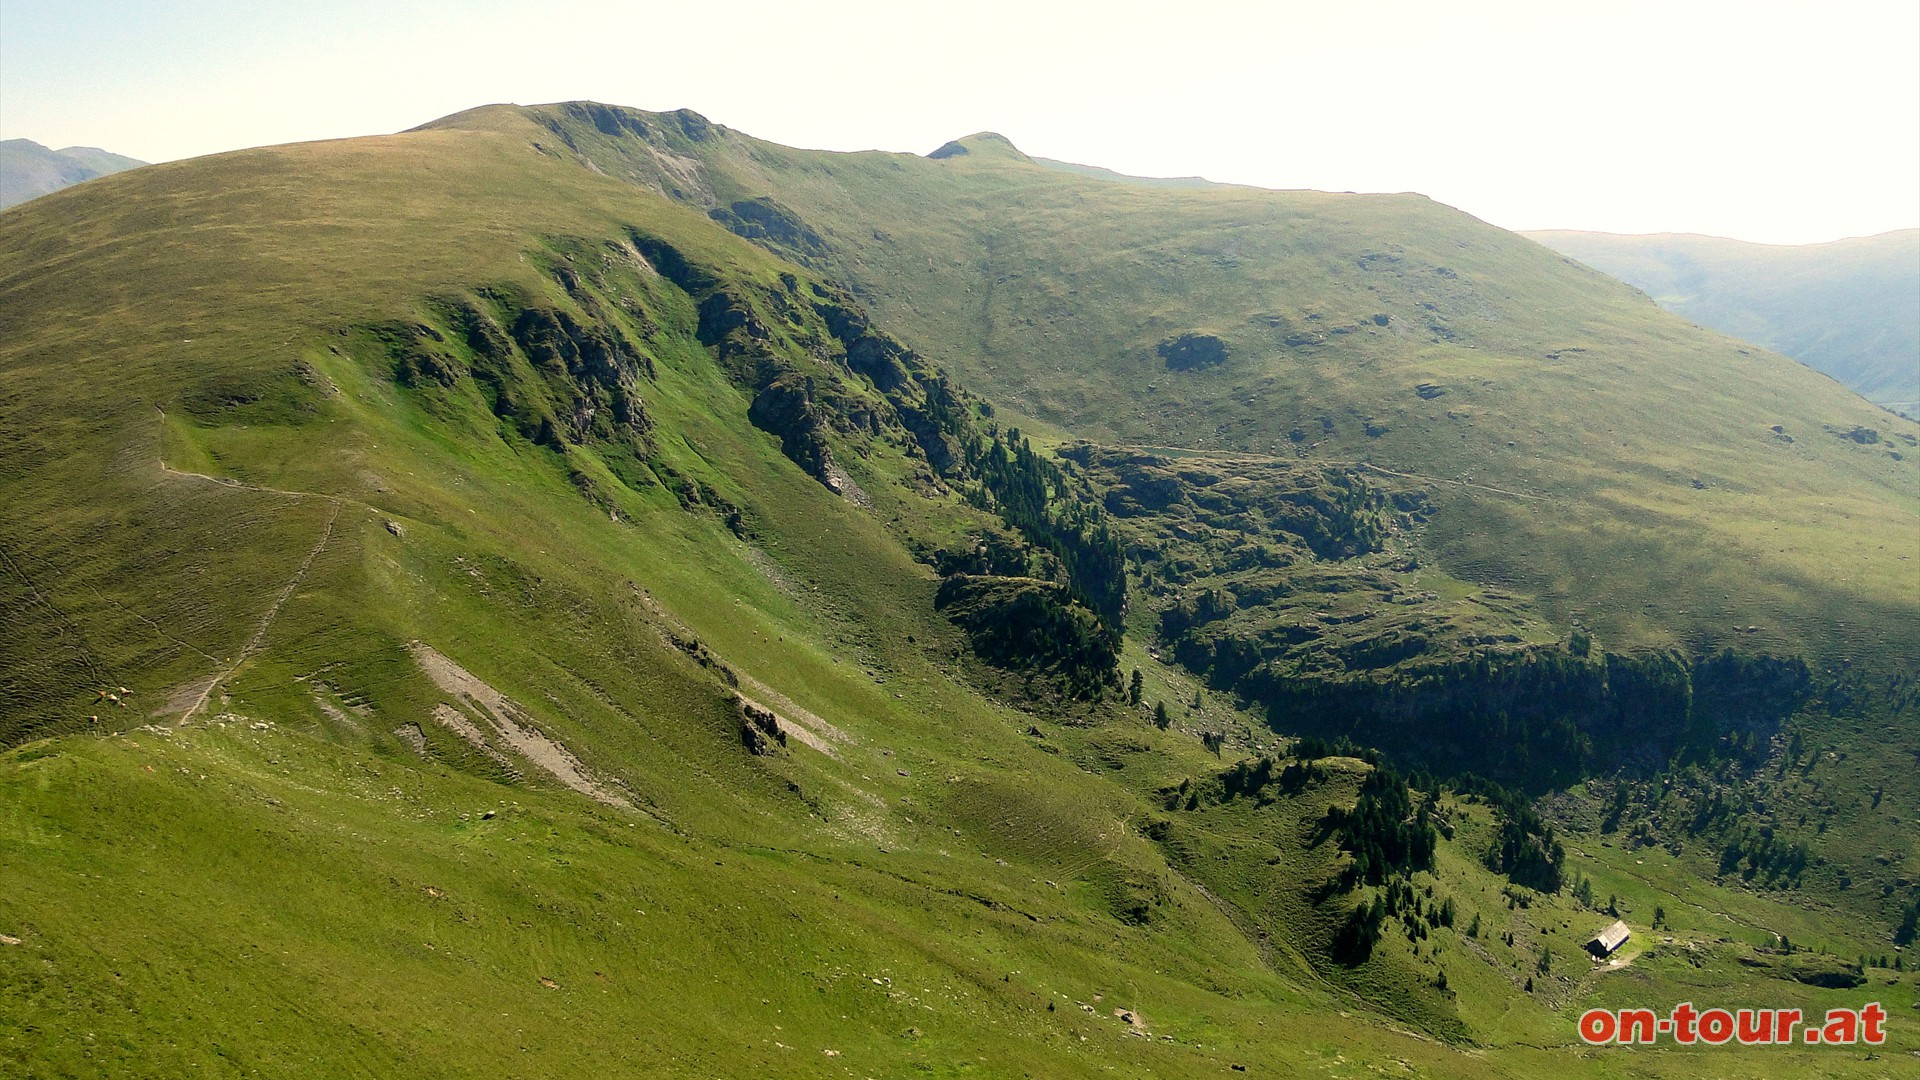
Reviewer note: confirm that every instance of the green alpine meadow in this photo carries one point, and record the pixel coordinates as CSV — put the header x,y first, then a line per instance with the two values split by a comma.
x,y
570,590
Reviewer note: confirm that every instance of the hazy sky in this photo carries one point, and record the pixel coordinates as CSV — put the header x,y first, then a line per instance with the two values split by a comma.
x,y
1776,122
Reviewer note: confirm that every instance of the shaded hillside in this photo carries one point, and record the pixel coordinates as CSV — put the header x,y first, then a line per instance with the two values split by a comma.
x,y
29,170
1850,308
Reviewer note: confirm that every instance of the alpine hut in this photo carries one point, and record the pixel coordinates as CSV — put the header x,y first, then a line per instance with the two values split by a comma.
x,y
1604,942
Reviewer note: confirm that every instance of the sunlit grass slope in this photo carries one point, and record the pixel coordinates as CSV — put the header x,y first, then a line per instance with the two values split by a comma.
x,y
225,513
260,575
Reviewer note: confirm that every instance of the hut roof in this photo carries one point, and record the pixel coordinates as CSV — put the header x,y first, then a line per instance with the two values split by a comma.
x,y
1611,938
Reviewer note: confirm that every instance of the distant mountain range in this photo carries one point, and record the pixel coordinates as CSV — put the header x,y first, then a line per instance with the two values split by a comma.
x,y
1850,308
29,170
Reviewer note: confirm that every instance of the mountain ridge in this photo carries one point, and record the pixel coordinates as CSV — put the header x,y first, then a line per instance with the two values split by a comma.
x,y
939,262
529,559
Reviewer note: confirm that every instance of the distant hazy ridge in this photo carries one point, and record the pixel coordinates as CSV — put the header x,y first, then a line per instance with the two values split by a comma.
x,y
29,170
1850,308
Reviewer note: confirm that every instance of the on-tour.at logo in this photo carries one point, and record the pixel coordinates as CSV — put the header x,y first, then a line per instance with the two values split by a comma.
x,y
1688,1026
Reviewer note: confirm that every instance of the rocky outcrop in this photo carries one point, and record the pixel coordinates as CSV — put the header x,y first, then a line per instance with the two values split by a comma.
x,y
1335,514
785,408
767,222
760,729
558,373
1191,352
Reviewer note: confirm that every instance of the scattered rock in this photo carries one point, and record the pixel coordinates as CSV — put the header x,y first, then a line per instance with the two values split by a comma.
x,y
9,939
509,723
760,729
415,738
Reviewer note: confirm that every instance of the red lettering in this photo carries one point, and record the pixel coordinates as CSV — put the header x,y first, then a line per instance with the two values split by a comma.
x,y
1597,1026
1843,1026
1871,1017
1683,1018
1752,1027
1637,1025
1755,1025
1716,1026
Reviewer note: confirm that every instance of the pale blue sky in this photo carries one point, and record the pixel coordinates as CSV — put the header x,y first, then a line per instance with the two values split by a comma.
x,y
1769,121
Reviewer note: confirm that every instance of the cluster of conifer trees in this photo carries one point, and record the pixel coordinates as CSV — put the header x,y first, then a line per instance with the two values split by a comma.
x,y
1033,494
1525,849
1386,835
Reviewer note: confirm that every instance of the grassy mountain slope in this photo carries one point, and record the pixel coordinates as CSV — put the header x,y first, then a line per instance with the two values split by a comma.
x,y
211,494
1850,308
466,615
1659,485
29,170
1553,533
